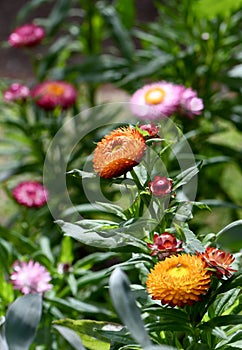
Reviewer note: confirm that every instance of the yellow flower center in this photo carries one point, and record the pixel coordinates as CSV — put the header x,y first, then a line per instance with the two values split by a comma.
x,y
55,89
178,271
154,96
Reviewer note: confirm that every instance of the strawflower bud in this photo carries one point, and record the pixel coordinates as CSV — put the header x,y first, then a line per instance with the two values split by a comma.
x,y
160,186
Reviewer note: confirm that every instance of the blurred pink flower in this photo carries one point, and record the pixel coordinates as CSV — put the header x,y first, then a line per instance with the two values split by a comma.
x,y
16,92
156,100
27,35
30,277
51,94
160,186
191,104
30,194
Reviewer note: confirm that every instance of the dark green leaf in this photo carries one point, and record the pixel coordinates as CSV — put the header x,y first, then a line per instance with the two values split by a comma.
x,y
230,236
71,336
22,320
126,307
220,321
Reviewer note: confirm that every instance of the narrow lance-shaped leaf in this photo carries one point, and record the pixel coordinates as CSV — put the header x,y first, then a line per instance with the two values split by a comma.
x,y
22,320
126,307
71,336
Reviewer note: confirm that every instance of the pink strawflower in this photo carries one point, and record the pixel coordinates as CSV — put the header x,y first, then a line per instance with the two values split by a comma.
x,y
51,94
30,194
27,35
156,100
160,186
16,92
190,104
30,277
165,245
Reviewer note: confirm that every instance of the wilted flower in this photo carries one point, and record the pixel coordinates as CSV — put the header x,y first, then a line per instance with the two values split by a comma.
x,y
16,92
150,130
160,186
179,280
30,277
218,261
27,35
51,94
118,152
190,103
162,98
30,194
165,245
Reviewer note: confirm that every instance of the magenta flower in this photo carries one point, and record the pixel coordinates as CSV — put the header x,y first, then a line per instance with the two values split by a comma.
x,y
16,92
190,104
27,35
160,186
51,94
30,277
165,245
156,100
30,194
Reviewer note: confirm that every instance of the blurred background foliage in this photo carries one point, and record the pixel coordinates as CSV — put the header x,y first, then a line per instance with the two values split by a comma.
x,y
107,50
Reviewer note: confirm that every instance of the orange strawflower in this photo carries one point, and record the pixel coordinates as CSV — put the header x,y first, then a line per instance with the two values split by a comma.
x,y
218,261
179,280
118,152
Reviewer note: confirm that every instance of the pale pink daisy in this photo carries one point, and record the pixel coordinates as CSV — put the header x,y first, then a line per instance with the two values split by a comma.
x,y
156,100
30,277
190,104
16,92
30,194
27,35
51,94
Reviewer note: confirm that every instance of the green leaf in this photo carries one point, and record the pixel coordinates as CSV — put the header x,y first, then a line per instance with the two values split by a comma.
x,y
150,68
100,235
3,342
118,31
126,307
210,9
126,10
71,336
191,243
185,176
230,236
169,319
22,319
88,332
66,255
220,321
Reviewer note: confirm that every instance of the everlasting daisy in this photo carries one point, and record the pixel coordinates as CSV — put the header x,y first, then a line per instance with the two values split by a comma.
x,y
30,277
16,92
156,100
51,94
179,280
118,152
165,245
218,261
30,194
160,186
27,35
